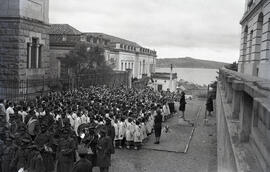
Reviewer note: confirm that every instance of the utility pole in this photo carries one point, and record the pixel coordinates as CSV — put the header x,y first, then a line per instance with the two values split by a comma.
x,y
170,84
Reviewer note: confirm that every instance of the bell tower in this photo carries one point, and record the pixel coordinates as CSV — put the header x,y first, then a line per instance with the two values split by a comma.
x,y
24,45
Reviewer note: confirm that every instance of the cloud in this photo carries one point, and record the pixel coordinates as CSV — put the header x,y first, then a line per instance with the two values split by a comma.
x,y
171,27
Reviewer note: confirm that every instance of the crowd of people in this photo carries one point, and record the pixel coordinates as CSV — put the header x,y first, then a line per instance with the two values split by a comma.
x,y
51,132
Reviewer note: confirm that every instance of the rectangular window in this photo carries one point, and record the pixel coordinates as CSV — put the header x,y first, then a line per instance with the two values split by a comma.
x,y
28,56
34,53
39,56
122,66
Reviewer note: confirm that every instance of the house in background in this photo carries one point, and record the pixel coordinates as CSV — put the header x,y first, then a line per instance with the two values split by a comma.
x,y
63,38
164,81
119,53
124,54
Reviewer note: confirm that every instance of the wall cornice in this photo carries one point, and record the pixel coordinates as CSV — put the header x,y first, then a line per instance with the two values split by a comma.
x,y
25,19
250,12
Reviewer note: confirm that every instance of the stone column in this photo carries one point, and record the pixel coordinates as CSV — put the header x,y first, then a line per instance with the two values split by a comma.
x,y
265,53
255,112
229,89
129,78
246,107
30,55
226,85
237,87
37,55
224,82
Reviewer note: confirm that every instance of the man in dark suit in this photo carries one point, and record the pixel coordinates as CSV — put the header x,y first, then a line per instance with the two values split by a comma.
x,y
83,165
209,105
104,150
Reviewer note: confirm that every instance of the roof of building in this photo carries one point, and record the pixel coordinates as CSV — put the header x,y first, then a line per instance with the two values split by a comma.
x,y
63,29
113,39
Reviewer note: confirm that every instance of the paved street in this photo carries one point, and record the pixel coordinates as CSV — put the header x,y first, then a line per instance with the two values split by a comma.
x,y
200,157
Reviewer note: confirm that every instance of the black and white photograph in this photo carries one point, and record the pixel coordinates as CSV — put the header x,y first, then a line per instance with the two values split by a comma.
x,y
134,85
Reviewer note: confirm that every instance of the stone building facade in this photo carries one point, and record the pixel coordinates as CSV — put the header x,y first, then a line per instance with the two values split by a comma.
x,y
255,39
123,54
243,122
31,49
24,42
63,38
119,53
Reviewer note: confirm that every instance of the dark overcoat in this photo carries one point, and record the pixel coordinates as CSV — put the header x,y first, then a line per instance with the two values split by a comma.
x,y
83,165
7,157
104,149
48,157
65,157
209,105
183,103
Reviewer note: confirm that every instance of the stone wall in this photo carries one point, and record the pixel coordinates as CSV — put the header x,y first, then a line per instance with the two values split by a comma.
x,y
32,9
27,30
56,53
243,122
9,48
15,34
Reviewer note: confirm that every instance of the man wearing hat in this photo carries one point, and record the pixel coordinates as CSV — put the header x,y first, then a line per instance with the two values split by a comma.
x,y
104,150
35,162
21,157
8,154
44,144
110,132
66,153
83,165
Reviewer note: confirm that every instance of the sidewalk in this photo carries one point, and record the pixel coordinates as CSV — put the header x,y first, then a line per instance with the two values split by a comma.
x,y
200,157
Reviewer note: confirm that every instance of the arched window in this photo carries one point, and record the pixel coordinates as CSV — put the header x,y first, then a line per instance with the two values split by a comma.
x,y
34,53
250,44
245,44
258,43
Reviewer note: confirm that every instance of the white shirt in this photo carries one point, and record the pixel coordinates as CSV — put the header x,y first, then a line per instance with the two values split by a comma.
x,y
23,114
9,111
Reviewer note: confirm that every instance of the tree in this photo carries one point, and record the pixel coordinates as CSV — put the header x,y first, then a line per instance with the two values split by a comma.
x,y
86,58
233,66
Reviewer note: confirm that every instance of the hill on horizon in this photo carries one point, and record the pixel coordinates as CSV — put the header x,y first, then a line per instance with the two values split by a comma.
x,y
188,62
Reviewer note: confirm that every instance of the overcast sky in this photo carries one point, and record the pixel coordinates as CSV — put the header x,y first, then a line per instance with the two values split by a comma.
x,y
204,29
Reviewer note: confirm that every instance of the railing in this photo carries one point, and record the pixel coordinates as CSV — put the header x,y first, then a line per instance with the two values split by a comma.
x,y
243,119
141,83
15,89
